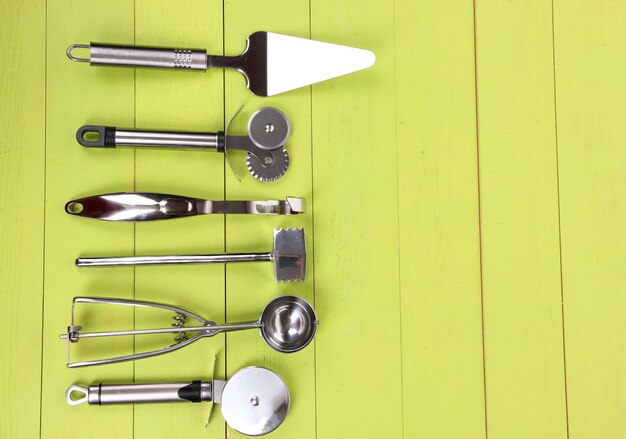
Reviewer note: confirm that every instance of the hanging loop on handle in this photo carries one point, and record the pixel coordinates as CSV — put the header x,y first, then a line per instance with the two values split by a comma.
x,y
96,136
68,52
138,206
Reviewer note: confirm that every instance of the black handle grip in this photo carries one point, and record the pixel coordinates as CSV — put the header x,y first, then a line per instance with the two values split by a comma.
x,y
103,137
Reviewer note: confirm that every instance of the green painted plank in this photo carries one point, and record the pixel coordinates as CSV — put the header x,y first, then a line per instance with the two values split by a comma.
x,y
193,101
519,218
22,167
590,94
250,286
358,355
77,95
442,356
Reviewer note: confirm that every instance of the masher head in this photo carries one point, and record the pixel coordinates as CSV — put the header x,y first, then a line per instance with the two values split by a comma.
x,y
288,324
289,255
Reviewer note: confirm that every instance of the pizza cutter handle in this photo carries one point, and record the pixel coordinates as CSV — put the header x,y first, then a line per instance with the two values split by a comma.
x,y
140,56
135,393
138,206
99,136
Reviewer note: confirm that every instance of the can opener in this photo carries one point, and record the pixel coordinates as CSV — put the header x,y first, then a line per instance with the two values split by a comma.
x,y
145,206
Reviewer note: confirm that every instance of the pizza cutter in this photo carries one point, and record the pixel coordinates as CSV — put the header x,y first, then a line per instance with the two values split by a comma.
x,y
145,206
254,401
287,324
268,131
272,63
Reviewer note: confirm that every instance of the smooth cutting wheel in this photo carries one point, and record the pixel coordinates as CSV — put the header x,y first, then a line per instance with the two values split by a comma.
x,y
255,401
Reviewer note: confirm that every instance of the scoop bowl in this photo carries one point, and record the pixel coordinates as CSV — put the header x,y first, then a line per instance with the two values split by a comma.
x,y
288,324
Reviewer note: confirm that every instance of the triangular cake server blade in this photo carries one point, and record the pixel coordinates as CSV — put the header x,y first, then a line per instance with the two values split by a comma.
x,y
294,62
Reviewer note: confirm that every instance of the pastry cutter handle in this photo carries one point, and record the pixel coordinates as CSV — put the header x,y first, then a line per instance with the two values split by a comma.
x,y
99,136
136,206
140,56
135,393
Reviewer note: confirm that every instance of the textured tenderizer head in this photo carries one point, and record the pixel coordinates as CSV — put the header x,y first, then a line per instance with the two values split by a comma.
x,y
289,255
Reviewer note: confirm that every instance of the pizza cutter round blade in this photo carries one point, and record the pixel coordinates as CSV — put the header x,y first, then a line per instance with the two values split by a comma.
x,y
255,401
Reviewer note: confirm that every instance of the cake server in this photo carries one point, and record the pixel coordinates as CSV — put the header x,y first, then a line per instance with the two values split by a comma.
x,y
272,63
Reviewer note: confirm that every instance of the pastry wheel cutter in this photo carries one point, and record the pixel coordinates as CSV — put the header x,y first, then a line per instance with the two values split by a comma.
x,y
268,131
288,256
254,401
145,206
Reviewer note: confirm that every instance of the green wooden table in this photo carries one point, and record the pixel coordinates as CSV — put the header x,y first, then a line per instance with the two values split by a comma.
x,y
465,226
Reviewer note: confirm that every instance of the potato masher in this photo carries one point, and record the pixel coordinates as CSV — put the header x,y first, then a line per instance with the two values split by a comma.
x,y
288,256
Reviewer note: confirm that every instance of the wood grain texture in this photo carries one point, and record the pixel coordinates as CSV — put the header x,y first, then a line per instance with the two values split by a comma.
x,y
187,101
77,95
358,349
442,357
250,286
22,168
519,219
590,42
408,168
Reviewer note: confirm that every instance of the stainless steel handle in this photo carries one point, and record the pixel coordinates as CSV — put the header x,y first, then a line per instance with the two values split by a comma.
x,y
167,139
106,394
180,259
138,206
138,56
99,136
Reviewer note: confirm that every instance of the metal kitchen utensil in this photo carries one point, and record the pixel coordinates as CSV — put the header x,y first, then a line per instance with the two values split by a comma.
x,y
268,131
254,401
272,63
288,256
287,324
145,206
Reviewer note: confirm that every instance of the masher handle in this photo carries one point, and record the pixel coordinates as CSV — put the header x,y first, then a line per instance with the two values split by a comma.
x,y
141,56
167,260
106,394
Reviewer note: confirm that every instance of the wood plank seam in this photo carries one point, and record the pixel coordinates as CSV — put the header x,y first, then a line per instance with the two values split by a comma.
x,y
314,344
558,197
480,228
398,225
43,256
134,369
